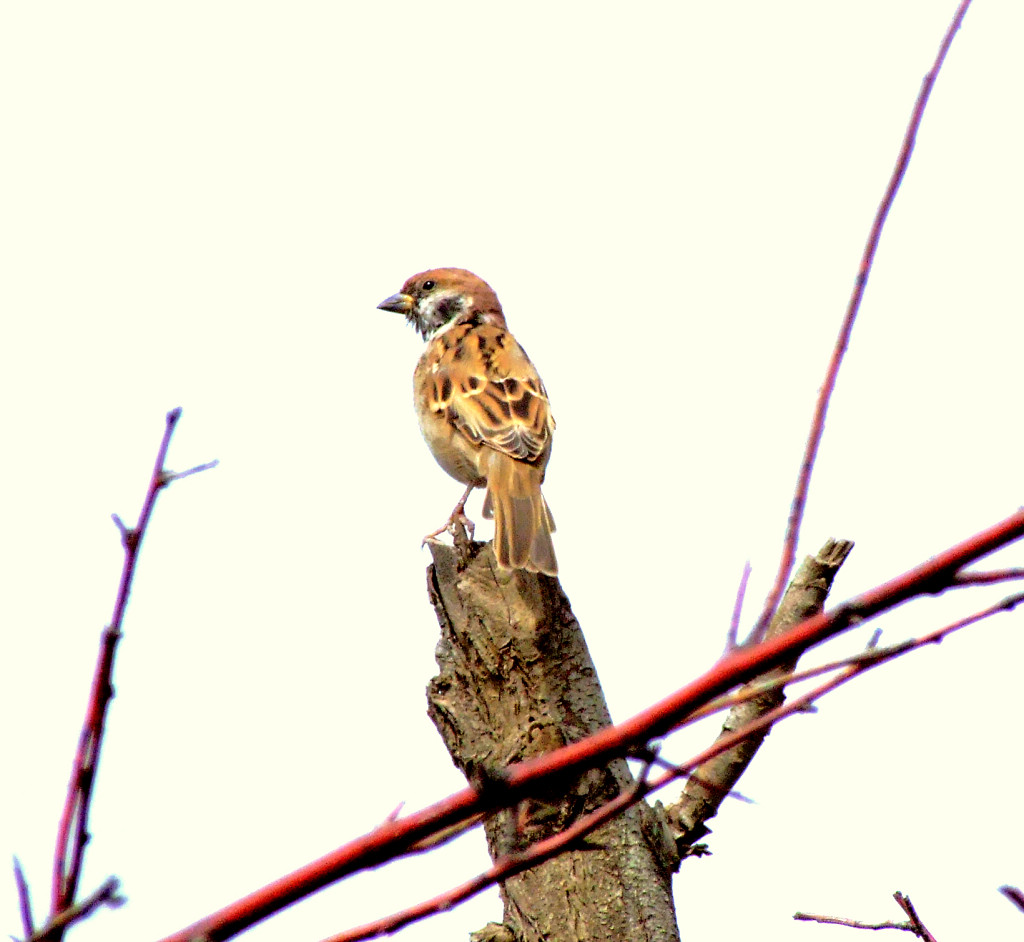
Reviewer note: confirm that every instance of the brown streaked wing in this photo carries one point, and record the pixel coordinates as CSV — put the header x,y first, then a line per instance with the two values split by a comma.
x,y
490,390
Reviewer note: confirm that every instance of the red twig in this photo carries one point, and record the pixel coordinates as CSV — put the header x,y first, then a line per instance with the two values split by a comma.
x,y
73,832
796,510
871,654
394,838
507,866
549,847
537,853
986,578
935,637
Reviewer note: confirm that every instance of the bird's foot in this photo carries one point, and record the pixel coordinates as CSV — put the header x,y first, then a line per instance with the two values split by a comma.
x,y
456,521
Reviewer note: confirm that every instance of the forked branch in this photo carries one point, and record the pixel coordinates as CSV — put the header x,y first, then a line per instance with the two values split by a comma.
x,y
73,830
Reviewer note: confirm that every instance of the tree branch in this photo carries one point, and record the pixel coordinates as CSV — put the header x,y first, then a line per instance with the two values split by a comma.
x,y
713,781
73,831
796,511
107,895
535,777
913,923
547,848
24,900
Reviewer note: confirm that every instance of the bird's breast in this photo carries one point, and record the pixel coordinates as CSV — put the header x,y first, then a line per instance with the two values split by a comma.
x,y
452,450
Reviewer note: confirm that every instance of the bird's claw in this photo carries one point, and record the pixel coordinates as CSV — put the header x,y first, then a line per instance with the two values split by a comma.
x,y
457,524
462,520
451,525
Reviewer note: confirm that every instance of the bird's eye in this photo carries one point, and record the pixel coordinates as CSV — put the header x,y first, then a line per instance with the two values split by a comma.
x,y
428,285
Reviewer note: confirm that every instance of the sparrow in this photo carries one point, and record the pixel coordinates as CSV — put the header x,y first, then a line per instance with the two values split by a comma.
x,y
483,410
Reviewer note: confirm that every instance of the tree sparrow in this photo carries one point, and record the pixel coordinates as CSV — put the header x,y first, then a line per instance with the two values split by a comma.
x,y
483,410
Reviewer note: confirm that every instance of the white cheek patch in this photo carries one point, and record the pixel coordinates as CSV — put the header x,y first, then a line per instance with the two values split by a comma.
x,y
428,307
429,314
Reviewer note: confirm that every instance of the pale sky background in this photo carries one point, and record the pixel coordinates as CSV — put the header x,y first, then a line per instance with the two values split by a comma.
x,y
201,205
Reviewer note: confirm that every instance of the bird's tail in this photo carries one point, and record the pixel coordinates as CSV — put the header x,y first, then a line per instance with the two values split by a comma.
x,y
522,521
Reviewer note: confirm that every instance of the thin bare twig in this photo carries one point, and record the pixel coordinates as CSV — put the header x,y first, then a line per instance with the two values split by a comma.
x,y
714,786
757,688
122,528
851,923
24,900
737,609
170,476
73,831
986,578
107,895
796,511
913,923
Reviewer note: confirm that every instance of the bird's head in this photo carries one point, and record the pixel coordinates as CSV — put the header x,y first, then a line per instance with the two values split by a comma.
x,y
436,299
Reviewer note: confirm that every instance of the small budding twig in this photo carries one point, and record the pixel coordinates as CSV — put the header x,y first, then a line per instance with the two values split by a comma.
x,y
106,895
913,923
24,900
850,923
732,639
169,477
73,831
986,578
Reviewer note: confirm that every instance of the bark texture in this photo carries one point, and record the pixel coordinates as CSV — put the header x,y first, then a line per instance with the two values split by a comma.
x,y
516,681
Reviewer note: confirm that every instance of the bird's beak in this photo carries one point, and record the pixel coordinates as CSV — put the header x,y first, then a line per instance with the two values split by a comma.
x,y
398,303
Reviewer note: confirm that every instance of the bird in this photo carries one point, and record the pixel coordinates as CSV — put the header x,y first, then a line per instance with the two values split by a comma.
x,y
483,411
